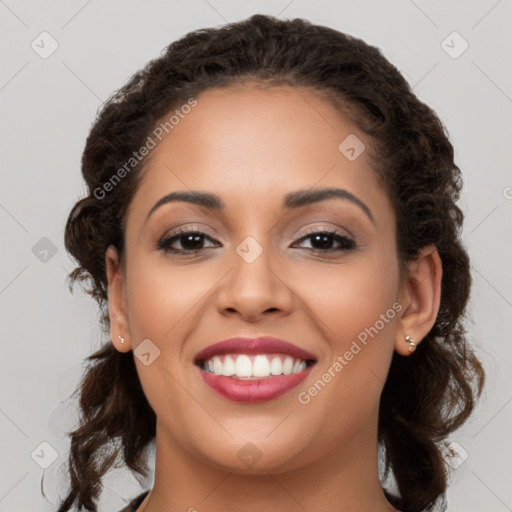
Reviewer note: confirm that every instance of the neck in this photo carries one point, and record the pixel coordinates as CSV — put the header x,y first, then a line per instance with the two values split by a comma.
x,y
341,479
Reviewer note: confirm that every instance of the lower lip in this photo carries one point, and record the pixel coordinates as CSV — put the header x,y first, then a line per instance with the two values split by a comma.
x,y
251,391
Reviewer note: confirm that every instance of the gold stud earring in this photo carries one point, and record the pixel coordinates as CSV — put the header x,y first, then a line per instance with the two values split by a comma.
x,y
412,343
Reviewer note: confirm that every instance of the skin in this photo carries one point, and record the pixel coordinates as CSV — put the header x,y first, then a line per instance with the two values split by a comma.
x,y
251,147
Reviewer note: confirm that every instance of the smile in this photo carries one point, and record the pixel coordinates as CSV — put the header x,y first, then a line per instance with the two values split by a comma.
x,y
245,366
253,370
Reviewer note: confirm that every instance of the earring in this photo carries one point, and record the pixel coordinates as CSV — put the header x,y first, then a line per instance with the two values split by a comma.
x,y
412,343
121,338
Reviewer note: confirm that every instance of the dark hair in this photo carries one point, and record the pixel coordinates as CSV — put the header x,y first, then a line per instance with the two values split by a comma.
x,y
425,397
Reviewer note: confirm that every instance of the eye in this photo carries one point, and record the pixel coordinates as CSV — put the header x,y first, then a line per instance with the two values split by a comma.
x,y
324,239
191,241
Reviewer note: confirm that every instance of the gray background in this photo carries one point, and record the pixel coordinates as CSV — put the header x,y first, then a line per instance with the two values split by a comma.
x,y
47,107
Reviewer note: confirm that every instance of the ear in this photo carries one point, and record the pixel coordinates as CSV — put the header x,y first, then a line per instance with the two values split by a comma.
x,y
116,300
420,296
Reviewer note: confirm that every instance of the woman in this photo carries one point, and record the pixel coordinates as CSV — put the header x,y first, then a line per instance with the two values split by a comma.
x,y
272,235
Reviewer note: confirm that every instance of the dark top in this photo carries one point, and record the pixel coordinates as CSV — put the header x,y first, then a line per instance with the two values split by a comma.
x,y
135,503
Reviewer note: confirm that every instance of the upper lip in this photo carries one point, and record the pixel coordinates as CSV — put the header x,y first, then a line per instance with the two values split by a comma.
x,y
260,345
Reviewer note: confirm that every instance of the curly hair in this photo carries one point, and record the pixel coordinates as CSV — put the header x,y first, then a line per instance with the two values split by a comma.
x,y
425,397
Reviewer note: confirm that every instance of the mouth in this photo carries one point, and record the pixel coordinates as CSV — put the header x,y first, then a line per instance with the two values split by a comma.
x,y
252,367
253,370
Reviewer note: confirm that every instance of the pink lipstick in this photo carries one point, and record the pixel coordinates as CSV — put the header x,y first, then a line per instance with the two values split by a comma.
x,y
253,369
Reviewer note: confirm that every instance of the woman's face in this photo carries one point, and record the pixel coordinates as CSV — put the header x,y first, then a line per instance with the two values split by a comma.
x,y
255,273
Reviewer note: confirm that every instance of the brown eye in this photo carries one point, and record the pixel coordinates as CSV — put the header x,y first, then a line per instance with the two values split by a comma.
x,y
321,241
191,241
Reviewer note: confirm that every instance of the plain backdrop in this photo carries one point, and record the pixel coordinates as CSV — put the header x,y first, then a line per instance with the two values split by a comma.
x,y
48,103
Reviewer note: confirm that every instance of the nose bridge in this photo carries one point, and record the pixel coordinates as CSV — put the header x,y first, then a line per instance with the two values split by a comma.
x,y
253,286
255,243
253,261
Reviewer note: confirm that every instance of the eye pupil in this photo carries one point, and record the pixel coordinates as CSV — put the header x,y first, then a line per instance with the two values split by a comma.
x,y
326,240
185,239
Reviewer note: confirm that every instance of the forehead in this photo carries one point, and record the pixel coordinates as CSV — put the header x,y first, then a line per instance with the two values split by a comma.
x,y
253,145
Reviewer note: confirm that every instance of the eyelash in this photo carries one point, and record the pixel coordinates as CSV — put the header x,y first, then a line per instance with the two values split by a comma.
x,y
164,244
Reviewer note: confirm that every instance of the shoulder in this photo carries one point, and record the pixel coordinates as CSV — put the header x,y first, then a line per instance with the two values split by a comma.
x,y
135,503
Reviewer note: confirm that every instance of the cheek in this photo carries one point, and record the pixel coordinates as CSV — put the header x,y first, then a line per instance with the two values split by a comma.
x,y
161,297
352,296
356,310
161,300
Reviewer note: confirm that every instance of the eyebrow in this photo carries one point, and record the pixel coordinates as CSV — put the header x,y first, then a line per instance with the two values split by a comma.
x,y
296,199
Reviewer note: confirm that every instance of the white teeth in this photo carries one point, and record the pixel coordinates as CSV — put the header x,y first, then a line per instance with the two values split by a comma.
x,y
276,366
228,367
243,366
217,365
288,366
261,367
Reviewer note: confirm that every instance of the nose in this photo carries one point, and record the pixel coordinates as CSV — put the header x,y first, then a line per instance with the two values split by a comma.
x,y
255,287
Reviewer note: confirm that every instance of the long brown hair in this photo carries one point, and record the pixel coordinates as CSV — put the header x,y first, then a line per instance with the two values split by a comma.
x,y
426,396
